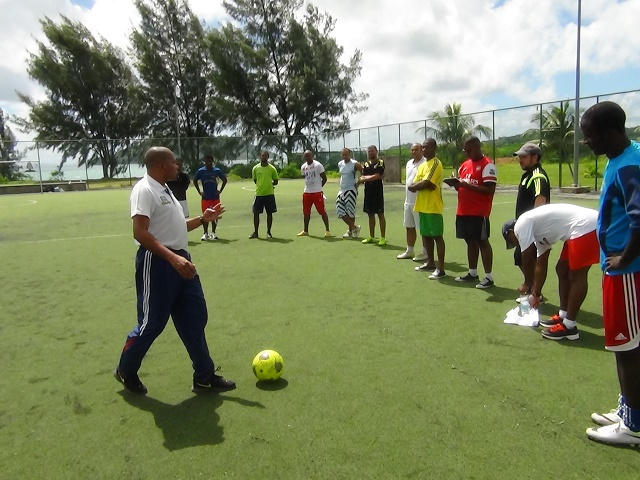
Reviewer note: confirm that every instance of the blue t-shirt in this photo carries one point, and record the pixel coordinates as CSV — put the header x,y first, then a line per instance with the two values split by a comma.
x,y
209,179
620,206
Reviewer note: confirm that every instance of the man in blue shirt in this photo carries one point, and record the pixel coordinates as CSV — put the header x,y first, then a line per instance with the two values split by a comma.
x,y
603,126
210,194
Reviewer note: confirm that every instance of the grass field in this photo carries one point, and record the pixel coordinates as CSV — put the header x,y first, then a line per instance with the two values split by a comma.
x,y
387,374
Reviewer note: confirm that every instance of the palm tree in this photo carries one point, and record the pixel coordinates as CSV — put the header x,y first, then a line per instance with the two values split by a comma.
x,y
451,128
555,131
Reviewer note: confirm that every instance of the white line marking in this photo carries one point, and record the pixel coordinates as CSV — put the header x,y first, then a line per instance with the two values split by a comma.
x,y
30,202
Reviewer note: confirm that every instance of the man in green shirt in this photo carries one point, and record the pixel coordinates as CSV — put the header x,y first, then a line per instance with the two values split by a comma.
x,y
265,176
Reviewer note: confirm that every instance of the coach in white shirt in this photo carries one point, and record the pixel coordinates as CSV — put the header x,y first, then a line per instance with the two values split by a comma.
x,y
167,283
411,218
536,231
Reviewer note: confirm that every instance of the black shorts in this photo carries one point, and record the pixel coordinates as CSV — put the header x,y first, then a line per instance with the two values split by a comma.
x,y
373,202
266,202
517,256
472,228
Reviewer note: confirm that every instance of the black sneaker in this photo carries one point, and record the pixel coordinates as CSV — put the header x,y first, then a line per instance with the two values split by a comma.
x,y
132,383
253,235
269,235
485,283
214,384
467,278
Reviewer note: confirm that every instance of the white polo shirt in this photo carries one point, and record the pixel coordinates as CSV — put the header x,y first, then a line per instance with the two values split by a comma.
x,y
548,224
166,218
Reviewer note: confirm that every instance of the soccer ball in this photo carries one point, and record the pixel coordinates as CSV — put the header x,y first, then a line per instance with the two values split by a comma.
x,y
268,365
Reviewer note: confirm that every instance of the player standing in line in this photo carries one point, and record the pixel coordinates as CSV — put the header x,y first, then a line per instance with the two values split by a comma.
x,y
314,180
429,205
265,176
536,231
372,173
533,190
210,194
603,126
179,188
411,217
348,194
167,283
476,185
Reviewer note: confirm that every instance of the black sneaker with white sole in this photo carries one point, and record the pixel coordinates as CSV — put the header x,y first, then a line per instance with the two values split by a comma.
x,y
485,283
131,383
468,278
213,384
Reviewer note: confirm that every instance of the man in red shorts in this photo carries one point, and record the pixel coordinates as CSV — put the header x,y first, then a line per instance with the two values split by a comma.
x,y
536,231
314,180
603,126
210,194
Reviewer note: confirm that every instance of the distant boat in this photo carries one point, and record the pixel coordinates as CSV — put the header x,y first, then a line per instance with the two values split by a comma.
x,y
30,167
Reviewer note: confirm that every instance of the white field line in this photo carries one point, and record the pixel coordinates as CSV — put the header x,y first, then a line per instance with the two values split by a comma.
x,y
30,202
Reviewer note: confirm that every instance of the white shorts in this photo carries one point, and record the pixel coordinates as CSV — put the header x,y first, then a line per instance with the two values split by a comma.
x,y
411,218
185,207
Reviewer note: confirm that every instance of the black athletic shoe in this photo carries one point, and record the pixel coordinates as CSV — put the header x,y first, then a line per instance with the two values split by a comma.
x,y
253,235
131,383
467,278
485,283
215,383
269,235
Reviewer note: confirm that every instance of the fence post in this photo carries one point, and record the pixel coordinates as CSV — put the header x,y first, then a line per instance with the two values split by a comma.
x,y
39,166
399,147
493,133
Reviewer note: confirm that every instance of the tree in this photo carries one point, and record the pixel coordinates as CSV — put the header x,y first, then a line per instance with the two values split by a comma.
x,y
555,132
451,128
173,62
9,155
92,101
278,74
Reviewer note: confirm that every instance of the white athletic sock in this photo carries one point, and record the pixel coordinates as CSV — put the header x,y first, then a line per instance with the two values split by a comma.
x,y
488,275
569,323
562,314
409,249
473,272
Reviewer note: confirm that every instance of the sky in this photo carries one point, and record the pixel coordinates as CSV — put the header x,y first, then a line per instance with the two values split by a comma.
x,y
417,56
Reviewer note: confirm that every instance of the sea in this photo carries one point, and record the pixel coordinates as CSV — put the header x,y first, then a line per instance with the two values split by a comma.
x,y
71,172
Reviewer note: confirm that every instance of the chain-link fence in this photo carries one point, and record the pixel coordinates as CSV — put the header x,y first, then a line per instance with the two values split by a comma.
x,y
73,161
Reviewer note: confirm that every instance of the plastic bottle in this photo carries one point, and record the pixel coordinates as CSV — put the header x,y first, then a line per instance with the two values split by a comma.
x,y
525,306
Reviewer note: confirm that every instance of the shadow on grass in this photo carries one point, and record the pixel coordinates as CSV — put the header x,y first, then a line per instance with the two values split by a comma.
x,y
276,240
190,423
502,294
279,384
327,239
589,340
391,246
223,241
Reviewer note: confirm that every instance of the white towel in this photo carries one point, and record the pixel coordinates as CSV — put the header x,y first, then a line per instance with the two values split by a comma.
x,y
531,319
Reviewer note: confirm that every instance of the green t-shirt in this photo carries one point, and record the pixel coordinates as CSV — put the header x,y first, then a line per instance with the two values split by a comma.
x,y
264,177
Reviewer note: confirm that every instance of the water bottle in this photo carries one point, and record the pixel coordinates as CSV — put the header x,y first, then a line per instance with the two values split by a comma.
x,y
525,306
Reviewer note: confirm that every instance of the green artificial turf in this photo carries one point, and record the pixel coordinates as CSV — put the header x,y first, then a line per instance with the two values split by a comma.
x,y
387,374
